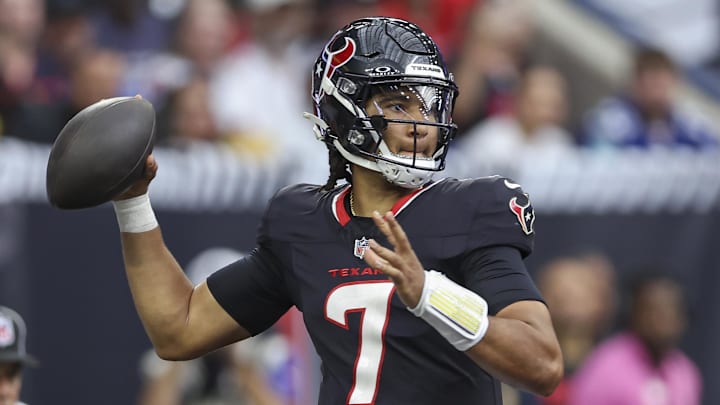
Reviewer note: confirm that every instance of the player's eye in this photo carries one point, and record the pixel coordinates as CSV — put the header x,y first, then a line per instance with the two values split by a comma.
x,y
394,105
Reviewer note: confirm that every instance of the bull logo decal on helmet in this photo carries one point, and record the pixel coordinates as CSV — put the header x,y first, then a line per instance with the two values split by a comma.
x,y
340,57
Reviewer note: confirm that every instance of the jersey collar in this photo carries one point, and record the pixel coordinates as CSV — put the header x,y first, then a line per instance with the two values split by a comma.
x,y
343,217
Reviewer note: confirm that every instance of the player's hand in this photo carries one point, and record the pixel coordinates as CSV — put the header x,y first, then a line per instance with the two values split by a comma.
x,y
140,187
400,263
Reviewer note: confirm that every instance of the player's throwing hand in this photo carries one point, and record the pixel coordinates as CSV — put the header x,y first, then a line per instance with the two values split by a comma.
x,y
140,187
400,264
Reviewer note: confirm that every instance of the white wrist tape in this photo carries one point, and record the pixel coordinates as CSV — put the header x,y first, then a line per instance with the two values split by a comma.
x,y
135,215
459,314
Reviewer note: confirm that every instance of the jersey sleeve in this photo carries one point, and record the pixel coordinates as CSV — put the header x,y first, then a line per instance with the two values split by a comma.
x,y
252,290
504,217
498,274
501,235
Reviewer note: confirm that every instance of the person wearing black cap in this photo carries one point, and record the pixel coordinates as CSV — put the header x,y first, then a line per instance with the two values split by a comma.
x,y
13,356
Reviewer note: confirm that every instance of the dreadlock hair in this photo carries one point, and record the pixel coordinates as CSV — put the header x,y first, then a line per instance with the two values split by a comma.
x,y
339,168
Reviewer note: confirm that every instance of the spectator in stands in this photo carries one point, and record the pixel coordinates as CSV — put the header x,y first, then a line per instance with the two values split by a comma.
x,y
23,20
67,38
204,34
643,364
269,70
21,24
185,120
186,117
237,374
234,375
40,83
97,75
200,41
646,114
13,356
129,26
533,132
580,292
17,64
490,60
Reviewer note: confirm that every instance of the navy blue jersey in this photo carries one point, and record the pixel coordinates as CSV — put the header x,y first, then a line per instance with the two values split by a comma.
x,y
373,350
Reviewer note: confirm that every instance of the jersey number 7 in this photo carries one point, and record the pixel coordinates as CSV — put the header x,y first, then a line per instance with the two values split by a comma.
x,y
372,299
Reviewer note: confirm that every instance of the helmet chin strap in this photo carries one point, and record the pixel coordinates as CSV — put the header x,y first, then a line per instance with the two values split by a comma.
x,y
368,164
406,177
399,175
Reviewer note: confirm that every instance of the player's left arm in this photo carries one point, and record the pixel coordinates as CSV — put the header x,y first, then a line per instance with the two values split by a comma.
x,y
518,345
520,348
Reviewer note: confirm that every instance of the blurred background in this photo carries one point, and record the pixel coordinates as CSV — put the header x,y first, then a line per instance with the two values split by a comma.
x,y
607,111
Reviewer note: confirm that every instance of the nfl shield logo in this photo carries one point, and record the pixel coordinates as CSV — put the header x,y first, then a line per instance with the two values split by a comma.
x,y
360,246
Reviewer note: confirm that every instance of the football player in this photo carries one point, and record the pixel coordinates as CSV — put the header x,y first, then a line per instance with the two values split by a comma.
x,y
413,291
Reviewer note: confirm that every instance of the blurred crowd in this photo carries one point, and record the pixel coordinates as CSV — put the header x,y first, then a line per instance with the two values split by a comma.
x,y
236,72
620,332
257,371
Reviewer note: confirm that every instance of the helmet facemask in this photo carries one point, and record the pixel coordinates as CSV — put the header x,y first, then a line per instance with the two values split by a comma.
x,y
402,131
399,127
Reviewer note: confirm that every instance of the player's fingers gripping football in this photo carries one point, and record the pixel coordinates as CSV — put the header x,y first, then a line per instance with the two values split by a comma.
x,y
140,187
400,264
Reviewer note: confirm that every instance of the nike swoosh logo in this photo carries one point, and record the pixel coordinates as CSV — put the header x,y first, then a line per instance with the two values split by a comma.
x,y
511,186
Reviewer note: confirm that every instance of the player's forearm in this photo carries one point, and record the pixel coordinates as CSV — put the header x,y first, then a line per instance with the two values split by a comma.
x,y
521,354
159,287
518,345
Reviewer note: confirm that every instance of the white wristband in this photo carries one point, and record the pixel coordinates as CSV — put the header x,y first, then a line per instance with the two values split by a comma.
x,y
458,314
135,215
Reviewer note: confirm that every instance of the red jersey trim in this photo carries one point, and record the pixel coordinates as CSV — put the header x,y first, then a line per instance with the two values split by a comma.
x,y
338,207
404,202
343,217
